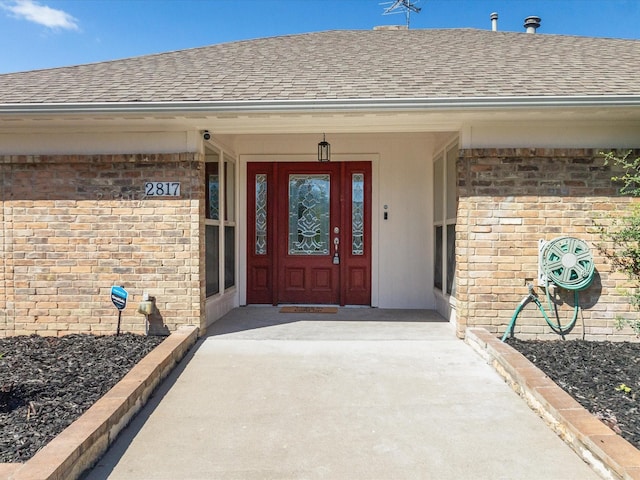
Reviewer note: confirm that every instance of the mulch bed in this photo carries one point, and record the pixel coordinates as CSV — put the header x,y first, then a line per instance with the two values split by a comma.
x,y
604,377
46,383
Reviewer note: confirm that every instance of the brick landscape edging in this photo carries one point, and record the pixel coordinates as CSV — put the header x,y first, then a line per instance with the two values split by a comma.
x,y
607,452
83,442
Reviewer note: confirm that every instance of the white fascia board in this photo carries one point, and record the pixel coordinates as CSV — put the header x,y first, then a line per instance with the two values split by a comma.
x,y
275,106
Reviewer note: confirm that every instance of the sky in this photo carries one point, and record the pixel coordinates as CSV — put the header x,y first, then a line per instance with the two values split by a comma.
x,y
37,34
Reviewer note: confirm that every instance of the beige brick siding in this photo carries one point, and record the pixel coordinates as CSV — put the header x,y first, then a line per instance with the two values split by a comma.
x,y
508,200
4,255
74,226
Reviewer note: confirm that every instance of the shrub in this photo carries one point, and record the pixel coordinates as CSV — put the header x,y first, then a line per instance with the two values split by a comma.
x,y
622,237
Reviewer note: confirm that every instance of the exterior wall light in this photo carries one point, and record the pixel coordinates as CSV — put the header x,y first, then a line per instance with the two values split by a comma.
x,y
324,150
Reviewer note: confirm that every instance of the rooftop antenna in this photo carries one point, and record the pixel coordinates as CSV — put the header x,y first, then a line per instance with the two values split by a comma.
x,y
399,6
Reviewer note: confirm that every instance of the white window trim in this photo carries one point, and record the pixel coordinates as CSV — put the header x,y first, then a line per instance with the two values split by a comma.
x,y
445,221
224,156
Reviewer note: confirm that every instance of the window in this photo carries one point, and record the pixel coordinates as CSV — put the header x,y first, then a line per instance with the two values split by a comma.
x,y
437,274
212,259
220,222
229,223
445,204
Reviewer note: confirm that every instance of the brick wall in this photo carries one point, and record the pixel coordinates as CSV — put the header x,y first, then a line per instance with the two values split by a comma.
x,y
74,226
508,200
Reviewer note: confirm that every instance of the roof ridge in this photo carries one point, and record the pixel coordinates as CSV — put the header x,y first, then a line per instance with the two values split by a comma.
x,y
357,64
372,31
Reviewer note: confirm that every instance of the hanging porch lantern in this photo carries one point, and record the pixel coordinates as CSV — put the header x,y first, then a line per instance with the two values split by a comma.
x,y
324,150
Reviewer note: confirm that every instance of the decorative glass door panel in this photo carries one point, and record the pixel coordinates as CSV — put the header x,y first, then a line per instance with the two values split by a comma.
x,y
357,214
309,215
309,231
261,214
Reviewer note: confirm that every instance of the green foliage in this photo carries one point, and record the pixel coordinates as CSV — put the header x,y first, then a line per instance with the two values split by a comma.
x,y
621,322
621,236
623,388
631,176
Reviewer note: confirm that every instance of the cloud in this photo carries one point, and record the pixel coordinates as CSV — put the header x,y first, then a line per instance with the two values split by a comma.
x,y
41,14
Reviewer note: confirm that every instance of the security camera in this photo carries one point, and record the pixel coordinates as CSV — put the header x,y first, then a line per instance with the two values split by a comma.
x,y
206,135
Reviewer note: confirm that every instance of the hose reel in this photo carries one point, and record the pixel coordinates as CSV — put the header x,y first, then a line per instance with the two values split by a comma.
x,y
563,262
566,262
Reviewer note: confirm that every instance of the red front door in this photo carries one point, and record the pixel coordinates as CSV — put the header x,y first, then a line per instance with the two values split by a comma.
x,y
309,233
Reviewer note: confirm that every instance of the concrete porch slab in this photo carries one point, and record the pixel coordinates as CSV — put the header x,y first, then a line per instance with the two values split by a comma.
x,y
264,396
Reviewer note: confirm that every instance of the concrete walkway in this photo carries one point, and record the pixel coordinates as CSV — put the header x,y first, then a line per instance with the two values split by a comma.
x,y
362,394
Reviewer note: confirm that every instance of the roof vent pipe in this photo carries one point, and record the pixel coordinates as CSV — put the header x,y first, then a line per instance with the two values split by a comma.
x,y
531,24
494,22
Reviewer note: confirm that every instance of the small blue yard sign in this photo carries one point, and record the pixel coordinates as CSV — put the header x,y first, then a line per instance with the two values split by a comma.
x,y
119,297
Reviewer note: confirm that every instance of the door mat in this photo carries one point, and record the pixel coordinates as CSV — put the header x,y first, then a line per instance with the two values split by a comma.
x,y
298,309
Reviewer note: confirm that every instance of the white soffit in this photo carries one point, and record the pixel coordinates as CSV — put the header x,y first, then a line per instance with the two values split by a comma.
x,y
406,115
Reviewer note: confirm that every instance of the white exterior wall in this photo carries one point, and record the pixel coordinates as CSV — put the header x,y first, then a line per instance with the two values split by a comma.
x,y
569,133
402,253
406,238
38,143
577,134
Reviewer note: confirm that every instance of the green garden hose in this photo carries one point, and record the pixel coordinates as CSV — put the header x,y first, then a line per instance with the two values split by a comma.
x,y
567,263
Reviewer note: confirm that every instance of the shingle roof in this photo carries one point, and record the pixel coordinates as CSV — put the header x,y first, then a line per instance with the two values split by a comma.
x,y
376,64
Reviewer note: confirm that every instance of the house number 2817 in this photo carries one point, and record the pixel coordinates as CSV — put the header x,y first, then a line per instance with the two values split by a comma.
x,y
162,189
